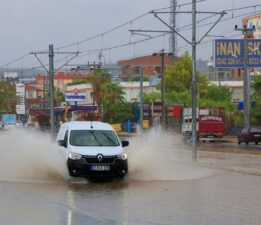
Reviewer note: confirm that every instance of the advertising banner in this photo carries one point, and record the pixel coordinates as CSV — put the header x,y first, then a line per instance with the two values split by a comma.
x,y
8,118
20,90
75,97
20,109
229,53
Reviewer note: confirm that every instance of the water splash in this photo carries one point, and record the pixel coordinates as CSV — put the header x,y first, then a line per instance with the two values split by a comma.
x,y
159,155
28,155
154,155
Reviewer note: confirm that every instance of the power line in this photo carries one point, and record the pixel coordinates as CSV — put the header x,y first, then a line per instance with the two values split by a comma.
x,y
15,60
146,39
118,27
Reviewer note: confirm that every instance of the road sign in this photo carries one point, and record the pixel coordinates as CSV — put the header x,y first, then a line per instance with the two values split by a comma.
x,y
229,53
75,97
20,109
20,90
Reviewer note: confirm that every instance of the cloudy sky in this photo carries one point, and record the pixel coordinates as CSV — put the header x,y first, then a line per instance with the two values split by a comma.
x,y
31,25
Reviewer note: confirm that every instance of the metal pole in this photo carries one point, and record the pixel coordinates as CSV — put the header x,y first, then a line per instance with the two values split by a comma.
x,y
44,93
246,84
162,90
194,91
141,97
244,29
51,75
93,92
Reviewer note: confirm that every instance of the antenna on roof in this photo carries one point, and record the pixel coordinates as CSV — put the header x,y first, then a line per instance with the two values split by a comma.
x,y
91,125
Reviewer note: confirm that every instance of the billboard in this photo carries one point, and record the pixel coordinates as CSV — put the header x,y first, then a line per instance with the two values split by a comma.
x,y
229,53
20,90
75,97
9,118
20,109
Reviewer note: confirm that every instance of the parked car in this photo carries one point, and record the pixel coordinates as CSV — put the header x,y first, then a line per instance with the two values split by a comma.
x,y
252,134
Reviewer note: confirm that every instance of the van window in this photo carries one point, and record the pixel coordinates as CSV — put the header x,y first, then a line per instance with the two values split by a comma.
x,y
93,138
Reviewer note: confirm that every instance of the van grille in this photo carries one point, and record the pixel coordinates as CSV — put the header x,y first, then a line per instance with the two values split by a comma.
x,y
105,159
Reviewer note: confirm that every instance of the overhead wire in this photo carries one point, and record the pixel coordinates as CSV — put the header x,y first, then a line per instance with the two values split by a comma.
x,y
15,60
146,39
180,29
118,27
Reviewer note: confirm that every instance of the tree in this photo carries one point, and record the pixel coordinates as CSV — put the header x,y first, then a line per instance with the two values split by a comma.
x,y
97,79
178,76
256,85
151,97
58,96
218,93
7,95
114,106
180,98
255,113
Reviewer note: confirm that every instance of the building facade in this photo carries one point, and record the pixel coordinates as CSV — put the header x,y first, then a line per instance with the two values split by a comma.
x,y
151,65
251,21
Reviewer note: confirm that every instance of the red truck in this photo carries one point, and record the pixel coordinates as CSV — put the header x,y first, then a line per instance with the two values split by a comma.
x,y
210,123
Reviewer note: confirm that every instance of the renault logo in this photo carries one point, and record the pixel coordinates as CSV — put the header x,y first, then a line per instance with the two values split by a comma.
x,y
100,157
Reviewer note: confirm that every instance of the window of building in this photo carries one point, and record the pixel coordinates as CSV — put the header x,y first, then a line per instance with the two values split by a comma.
x,y
158,69
137,70
30,94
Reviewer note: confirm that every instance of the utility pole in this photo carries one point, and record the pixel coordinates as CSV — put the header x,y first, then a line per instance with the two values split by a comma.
x,y
163,113
193,43
51,79
194,91
162,84
51,72
173,36
141,97
246,76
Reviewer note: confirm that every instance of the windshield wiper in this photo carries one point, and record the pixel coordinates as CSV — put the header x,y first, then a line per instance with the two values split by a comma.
x,y
99,143
109,138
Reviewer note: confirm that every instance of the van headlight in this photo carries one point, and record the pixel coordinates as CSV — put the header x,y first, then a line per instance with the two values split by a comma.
x,y
75,156
122,156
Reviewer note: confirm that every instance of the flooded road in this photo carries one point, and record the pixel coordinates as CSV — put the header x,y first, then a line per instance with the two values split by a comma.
x,y
164,186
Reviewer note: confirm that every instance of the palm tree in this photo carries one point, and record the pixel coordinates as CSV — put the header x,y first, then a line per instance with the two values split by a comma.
x,y
97,79
111,98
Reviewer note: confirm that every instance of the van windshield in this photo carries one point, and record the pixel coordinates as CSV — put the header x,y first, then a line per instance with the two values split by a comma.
x,y
93,138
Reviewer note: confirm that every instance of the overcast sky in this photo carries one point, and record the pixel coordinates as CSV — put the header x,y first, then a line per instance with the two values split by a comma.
x,y
31,25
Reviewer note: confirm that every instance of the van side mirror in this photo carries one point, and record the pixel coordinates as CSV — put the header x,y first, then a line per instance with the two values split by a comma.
x,y
62,143
124,143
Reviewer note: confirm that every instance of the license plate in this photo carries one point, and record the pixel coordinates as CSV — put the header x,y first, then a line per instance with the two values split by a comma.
x,y
100,168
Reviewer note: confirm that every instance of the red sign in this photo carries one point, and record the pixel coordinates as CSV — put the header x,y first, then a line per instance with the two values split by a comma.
x,y
176,111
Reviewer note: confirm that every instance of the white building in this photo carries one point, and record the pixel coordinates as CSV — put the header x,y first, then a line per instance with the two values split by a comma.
x,y
131,90
236,86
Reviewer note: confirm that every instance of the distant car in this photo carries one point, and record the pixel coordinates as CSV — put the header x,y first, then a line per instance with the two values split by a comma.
x,y
252,134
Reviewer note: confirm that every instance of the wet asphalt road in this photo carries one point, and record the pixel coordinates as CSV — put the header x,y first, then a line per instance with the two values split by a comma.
x,y
220,188
222,196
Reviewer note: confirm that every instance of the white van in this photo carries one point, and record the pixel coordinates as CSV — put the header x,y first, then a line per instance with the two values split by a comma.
x,y
92,149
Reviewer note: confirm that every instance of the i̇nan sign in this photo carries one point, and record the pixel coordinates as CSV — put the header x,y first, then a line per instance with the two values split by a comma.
x,y
229,53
